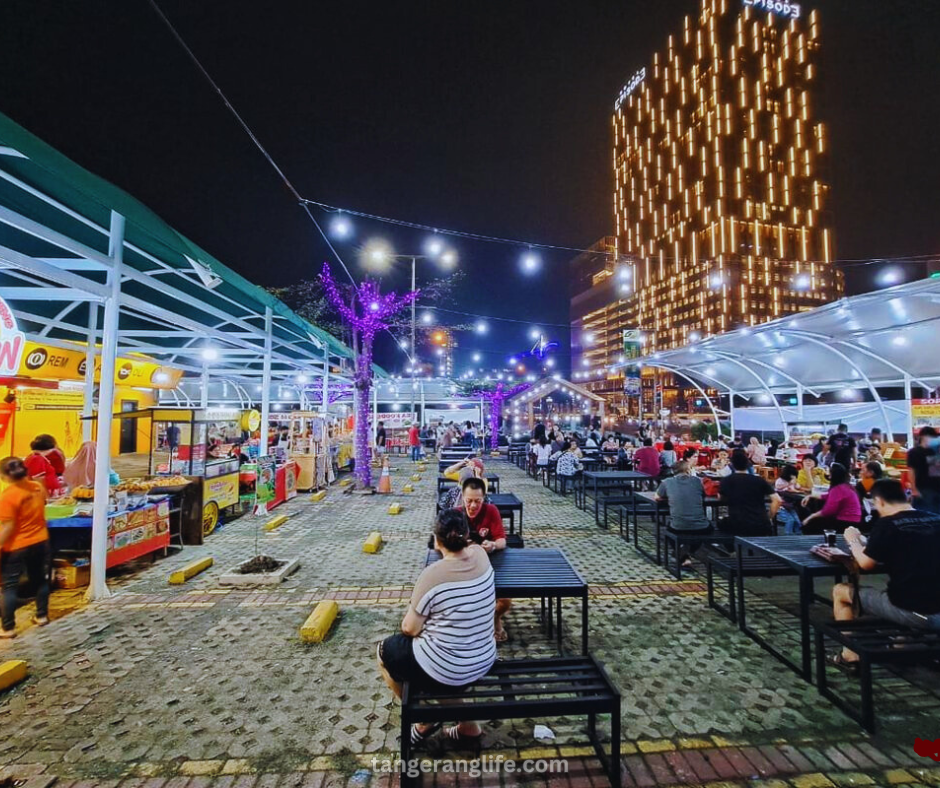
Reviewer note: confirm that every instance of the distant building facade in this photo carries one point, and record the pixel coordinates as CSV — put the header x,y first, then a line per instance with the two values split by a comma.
x,y
721,197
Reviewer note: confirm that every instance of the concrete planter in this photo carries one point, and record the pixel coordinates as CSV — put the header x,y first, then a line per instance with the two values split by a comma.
x,y
235,578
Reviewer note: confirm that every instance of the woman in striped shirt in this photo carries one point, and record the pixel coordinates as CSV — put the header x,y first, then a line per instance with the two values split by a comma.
x,y
446,638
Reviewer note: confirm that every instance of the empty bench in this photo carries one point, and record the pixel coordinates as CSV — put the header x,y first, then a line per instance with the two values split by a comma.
x,y
877,642
524,689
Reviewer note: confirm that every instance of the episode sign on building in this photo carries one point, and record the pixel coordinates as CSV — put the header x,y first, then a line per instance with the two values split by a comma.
x,y
791,10
631,373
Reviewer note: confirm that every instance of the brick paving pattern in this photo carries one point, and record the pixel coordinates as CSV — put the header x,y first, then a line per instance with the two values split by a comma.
x,y
200,685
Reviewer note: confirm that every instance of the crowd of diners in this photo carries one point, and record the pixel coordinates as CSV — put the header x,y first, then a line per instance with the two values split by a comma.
x,y
449,635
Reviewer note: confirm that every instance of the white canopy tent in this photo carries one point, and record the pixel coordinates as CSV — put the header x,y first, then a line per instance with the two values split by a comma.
x,y
82,261
869,343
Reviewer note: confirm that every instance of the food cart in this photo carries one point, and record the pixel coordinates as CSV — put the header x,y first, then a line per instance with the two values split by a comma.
x,y
203,446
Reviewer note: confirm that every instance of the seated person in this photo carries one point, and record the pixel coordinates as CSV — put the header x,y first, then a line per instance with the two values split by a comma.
x,y
745,494
486,530
870,473
906,542
453,497
841,507
722,464
568,463
646,459
453,472
446,639
787,514
686,497
810,475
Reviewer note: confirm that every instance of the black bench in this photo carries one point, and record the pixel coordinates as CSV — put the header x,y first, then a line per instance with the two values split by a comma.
x,y
524,689
691,541
726,567
564,478
877,642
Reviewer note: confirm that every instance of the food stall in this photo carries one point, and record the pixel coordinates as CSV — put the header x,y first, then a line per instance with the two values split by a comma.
x,y
194,455
309,448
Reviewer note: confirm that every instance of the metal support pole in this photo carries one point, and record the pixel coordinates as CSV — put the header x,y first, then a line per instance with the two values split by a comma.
x,y
799,405
375,412
266,381
325,404
731,418
421,420
414,331
910,413
88,408
204,387
98,588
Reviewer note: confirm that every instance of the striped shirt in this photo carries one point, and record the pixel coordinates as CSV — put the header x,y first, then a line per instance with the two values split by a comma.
x,y
457,598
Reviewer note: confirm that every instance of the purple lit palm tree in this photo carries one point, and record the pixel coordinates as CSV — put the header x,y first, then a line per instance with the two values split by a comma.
x,y
336,391
374,312
496,397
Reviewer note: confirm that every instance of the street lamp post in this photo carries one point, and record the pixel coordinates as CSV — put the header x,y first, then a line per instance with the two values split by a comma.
x,y
414,330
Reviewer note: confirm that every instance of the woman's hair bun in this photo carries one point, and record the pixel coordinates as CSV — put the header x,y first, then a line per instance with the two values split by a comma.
x,y
452,530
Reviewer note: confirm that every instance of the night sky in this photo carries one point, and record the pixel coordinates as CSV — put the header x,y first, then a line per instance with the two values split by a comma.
x,y
490,117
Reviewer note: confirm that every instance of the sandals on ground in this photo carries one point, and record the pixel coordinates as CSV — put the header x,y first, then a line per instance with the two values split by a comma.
x,y
419,736
839,662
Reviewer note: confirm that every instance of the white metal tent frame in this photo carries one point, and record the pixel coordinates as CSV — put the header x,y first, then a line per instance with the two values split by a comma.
x,y
869,342
64,288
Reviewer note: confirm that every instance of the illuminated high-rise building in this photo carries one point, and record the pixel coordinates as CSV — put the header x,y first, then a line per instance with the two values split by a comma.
x,y
721,199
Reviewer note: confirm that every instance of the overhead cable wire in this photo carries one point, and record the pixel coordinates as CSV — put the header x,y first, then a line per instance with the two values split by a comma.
x,y
251,135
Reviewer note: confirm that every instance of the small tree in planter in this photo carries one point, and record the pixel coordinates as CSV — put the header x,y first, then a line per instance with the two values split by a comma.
x,y
367,313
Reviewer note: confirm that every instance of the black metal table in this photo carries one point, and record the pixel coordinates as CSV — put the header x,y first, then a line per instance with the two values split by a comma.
x,y
443,482
542,573
794,553
508,504
610,481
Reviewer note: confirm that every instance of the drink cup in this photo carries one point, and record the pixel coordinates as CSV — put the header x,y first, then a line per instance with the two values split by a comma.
x,y
830,538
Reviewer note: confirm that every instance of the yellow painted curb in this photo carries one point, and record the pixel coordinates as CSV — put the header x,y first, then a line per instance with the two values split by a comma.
x,y
373,543
416,478
345,482
318,496
276,522
408,488
395,508
191,569
318,623
12,672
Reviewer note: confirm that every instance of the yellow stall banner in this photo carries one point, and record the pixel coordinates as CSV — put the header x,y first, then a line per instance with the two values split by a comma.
x,y
49,399
925,413
54,363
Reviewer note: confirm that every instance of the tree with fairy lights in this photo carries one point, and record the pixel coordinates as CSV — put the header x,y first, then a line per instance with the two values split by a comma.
x,y
496,397
335,392
367,313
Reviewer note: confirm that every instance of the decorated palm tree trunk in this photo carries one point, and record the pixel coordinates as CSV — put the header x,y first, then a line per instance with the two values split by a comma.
x,y
496,397
366,314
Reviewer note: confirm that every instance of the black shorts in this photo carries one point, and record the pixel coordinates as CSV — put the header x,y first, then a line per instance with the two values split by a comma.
x,y
398,656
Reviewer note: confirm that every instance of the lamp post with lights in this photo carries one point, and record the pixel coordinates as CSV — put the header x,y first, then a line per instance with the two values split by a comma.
x,y
380,255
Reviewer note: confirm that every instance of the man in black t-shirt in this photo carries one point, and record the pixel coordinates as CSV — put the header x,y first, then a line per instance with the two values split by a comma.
x,y
380,439
745,495
843,448
924,461
906,542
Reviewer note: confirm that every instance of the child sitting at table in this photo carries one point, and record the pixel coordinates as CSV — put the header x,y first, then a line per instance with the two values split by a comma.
x,y
787,515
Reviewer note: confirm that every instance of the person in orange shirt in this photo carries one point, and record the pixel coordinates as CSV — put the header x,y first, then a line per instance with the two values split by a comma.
x,y
24,542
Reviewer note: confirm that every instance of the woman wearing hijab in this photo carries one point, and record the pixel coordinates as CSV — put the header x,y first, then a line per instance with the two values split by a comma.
x,y
80,472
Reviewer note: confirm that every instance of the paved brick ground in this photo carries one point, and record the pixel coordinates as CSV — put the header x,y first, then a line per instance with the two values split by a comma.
x,y
198,685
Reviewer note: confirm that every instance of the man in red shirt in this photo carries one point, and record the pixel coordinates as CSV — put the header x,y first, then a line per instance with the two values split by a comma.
x,y
486,529
646,459
414,440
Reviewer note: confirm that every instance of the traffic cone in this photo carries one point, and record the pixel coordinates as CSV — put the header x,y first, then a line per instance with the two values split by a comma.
x,y
385,481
